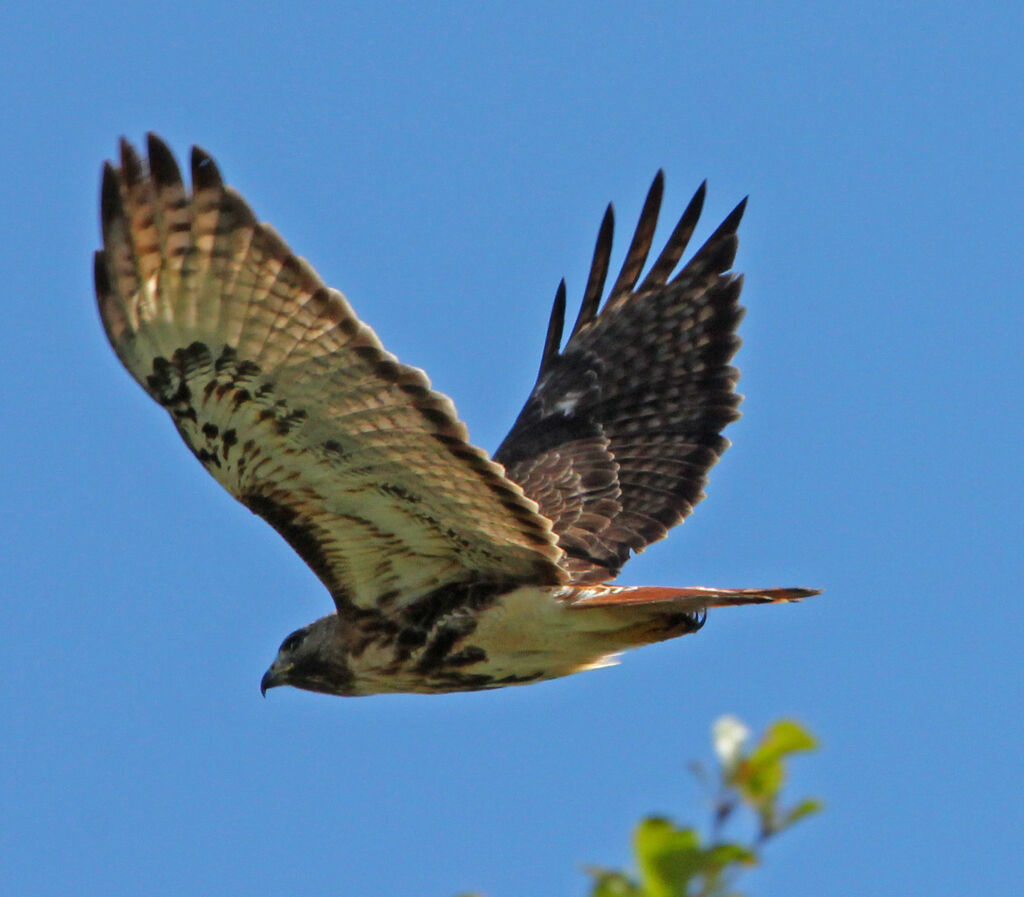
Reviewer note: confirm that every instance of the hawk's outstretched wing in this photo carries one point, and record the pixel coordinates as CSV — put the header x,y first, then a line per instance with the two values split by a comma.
x,y
617,437
293,404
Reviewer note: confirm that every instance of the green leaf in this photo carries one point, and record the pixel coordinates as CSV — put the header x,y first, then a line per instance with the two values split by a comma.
x,y
615,884
760,783
723,855
760,775
786,737
675,862
807,807
668,857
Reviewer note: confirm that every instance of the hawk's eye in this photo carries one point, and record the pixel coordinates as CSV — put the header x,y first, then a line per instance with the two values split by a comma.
x,y
293,641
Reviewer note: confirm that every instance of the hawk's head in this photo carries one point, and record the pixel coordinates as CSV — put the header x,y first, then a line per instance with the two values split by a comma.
x,y
311,658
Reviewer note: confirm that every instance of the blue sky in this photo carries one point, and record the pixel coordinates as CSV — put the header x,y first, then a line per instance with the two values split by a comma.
x,y
445,168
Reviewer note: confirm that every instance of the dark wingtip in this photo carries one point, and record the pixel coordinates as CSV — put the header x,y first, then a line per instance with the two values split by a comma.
x,y
162,166
676,244
598,271
131,165
553,340
100,274
640,246
732,220
697,201
205,174
719,250
110,196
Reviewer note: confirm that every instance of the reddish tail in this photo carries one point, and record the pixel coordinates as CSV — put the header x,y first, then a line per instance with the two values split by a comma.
x,y
694,598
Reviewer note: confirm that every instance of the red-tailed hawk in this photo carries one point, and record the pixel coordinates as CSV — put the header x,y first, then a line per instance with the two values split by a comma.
x,y
451,570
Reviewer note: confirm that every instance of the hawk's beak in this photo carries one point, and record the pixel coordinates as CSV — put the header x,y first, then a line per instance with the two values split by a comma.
x,y
271,679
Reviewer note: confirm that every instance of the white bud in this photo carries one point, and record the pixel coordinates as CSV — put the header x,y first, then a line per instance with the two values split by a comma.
x,y
728,735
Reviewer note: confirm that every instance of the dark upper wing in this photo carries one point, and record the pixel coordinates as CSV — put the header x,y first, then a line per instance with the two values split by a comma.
x,y
291,402
617,437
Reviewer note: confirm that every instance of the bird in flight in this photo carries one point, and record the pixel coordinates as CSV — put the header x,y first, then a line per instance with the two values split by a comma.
x,y
450,570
